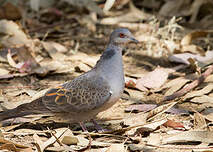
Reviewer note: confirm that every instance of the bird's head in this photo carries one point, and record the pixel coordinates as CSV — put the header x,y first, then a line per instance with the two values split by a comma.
x,y
122,36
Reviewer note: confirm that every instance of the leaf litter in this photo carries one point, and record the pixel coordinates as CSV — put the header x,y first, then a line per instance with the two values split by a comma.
x,y
63,46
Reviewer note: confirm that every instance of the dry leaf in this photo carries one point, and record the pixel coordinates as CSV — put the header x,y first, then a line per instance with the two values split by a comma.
x,y
187,39
4,141
159,110
154,139
88,4
174,125
202,99
130,82
149,127
183,57
138,119
140,107
43,145
81,67
39,143
199,121
190,136
9,11
116,148
133,15
207,89
55,50
13,35
24,61
154,79
174,85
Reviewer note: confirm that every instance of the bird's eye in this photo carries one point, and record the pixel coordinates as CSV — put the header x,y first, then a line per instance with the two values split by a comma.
x,y
121,35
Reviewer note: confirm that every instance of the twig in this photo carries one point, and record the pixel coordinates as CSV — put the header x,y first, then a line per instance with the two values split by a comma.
x,y
191,86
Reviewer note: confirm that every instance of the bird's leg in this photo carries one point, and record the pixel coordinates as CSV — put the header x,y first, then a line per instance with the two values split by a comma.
x,y
84,128
98,127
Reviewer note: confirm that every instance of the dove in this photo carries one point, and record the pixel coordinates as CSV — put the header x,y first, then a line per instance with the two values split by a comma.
x,y
82,98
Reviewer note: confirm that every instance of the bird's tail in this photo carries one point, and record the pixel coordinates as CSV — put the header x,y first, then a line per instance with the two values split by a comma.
x,y
34,107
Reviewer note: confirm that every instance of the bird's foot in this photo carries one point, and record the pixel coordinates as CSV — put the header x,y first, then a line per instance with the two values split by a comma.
x,y
98,127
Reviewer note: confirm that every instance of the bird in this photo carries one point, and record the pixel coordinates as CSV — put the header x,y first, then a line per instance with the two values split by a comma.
x,y
82,98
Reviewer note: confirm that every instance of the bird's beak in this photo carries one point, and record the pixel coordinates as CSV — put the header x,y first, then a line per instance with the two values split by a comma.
x,y
134,40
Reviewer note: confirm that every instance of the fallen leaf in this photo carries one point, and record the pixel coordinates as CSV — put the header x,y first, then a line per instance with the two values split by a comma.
x,y
133,15
82,68
140,107
187,39
55,50
108,5
174,85
199,121
174,125
88,4
154,79
150,127
183,57
202,99
130,82
207,89
159,110
116,148
177,111
154,139
24,61
10,11
12,35
10,147
138,119
190,136
4,141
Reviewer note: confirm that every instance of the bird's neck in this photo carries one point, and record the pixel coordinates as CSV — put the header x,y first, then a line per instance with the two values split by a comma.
x,y
111,57
110,65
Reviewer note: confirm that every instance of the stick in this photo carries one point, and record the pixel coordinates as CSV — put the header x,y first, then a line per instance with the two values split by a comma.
x,y
189,87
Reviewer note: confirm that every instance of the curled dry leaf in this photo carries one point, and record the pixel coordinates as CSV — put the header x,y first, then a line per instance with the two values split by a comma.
x,y
183,57
187,39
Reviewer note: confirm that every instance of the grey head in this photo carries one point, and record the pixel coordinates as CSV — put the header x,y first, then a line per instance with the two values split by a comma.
x,y
121,36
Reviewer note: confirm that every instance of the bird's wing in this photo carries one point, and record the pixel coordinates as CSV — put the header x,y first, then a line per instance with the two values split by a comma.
x,y
82,94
